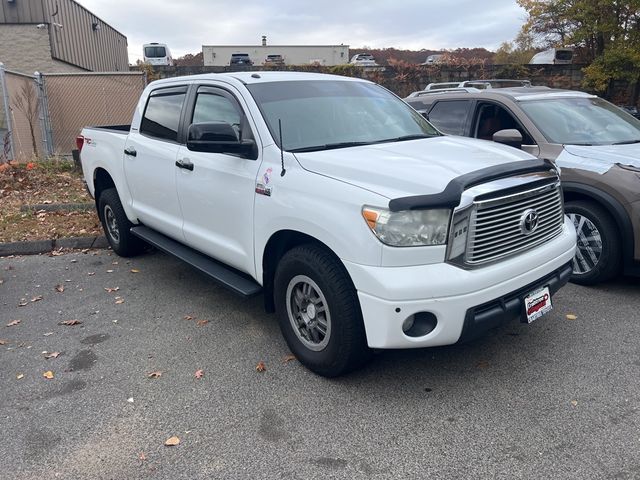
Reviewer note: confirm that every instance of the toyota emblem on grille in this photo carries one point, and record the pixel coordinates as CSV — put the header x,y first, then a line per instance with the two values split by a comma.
x,y
529,221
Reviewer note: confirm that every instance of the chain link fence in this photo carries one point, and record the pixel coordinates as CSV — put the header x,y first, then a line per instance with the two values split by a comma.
x,y
42,114
21,135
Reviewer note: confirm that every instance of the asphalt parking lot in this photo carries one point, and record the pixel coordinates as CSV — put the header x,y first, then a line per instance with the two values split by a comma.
x,y
557,399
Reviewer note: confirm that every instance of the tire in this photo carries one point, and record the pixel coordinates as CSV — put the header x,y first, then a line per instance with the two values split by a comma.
x,y
330,340
117,226
599,254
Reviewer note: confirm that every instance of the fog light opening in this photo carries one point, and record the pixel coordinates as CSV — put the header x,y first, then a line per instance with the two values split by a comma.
x,y
419,324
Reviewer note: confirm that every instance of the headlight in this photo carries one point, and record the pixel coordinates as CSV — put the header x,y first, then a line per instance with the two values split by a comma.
x,y
408,228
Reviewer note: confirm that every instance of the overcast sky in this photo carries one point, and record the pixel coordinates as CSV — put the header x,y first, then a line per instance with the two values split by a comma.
x,y
186,25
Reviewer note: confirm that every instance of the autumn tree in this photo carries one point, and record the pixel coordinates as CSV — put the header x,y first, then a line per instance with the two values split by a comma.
x,y
27,104
518,52
608,31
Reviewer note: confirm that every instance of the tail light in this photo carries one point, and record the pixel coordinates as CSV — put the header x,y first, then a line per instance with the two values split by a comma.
x,y
79,142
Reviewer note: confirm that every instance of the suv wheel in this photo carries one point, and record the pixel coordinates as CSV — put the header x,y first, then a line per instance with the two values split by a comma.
x,y
598,252
117,226
318,311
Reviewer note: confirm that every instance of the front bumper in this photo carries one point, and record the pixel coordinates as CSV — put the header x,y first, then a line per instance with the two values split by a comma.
x,y
509,307
389,295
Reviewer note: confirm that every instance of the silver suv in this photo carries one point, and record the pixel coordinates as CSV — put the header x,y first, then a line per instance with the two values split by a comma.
x,y
596,144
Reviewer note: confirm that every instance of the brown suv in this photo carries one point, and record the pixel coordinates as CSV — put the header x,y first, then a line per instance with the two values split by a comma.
x,y
596,144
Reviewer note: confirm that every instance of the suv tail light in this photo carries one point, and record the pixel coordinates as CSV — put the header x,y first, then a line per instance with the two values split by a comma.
x,y
79,142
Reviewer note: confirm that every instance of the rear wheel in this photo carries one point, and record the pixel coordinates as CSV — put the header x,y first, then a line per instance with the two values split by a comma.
x,y
598,252
117,226
318,311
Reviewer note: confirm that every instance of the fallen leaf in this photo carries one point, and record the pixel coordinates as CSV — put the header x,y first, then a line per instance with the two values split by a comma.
x,y
48,374
36,299
13,323
571,317
201,323
109,271
199,373
156,374
483,364
111,289
130,399
261,367
172,442
574,403
188,317
91,273
3,341
288,358
119,300
23,303
135,270
52,355
70,323
60,288
20,376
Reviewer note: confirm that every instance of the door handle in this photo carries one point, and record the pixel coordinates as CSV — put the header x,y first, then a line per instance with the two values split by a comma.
x,y
184,163
130,151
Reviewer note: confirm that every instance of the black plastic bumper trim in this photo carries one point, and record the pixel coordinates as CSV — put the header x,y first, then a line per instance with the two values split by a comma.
x,y
490,315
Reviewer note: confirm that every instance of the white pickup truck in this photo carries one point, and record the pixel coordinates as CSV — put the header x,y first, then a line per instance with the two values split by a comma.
x,y
364,227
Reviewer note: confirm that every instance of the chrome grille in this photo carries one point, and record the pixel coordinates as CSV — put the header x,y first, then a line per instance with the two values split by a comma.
x,y
497,229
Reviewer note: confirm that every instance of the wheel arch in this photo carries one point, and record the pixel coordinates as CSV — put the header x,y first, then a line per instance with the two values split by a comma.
x,y
102,181
574,191
278,244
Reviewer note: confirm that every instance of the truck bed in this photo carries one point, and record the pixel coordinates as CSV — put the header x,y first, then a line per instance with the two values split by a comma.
x,y
121,129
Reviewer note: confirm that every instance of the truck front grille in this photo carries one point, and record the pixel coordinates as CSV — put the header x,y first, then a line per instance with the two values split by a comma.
x,y
498,227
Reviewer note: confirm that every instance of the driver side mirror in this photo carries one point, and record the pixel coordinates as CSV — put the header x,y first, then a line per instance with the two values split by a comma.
x,y
511,137
219,137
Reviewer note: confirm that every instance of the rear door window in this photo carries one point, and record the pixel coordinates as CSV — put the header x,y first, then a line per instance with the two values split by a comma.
x,y
161,117
450,116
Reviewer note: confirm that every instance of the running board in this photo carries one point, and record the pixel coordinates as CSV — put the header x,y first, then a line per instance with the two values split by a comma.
x,y
228,277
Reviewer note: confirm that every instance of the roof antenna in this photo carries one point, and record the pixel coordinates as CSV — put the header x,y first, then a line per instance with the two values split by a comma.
x,y
284,170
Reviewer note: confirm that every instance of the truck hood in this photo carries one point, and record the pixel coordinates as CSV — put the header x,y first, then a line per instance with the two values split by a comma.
x,y
414,167
601,158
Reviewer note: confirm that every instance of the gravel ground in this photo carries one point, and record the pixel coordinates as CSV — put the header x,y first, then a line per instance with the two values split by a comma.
x,y
557,399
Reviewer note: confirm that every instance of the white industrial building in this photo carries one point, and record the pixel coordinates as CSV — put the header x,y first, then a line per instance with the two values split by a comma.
x,y
220,55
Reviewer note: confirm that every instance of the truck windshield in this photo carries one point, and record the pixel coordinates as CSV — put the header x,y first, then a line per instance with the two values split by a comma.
x,y
324,114
582,121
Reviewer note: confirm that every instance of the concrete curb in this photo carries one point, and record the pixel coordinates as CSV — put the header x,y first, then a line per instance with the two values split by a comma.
x,y
57,207
45,246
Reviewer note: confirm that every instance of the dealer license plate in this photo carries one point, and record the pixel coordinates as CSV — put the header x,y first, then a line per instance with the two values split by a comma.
x,y
538,303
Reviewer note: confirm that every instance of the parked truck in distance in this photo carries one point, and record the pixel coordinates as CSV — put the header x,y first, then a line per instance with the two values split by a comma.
x,y
362,226
553,56
157,54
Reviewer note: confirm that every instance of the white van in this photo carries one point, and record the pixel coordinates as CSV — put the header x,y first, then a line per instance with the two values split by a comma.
x,y
157,54
553,56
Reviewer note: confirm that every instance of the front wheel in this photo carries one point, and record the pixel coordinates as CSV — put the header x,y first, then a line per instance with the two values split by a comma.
x,y
318,311
598,252
117,226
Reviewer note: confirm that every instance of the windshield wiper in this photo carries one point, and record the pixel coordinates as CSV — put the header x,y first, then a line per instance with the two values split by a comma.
x,y
627,142
329,146
415,136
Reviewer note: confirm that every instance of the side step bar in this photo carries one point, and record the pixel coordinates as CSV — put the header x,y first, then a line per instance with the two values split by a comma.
x,y
228,277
